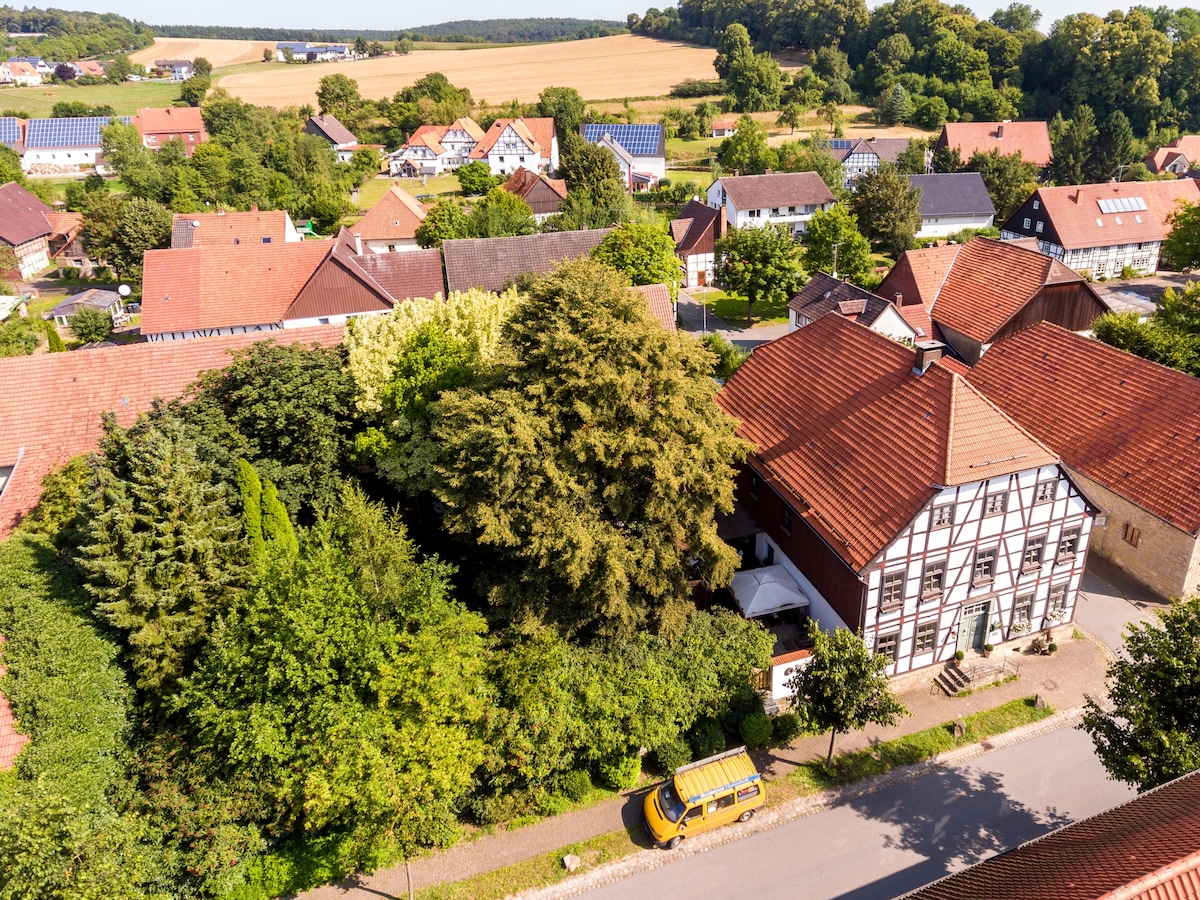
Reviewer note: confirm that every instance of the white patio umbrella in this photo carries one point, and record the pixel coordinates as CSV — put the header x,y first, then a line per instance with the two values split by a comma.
x,y
760,592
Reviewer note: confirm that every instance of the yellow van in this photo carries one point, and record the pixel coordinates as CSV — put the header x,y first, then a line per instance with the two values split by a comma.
x,y
704,795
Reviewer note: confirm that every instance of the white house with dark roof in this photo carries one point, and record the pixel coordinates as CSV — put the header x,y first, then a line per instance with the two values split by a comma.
x,y
952,202
825,294
785,198
860,156
640,151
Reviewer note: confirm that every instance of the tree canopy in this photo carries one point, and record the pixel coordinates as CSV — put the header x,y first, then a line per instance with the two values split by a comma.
x,y
888,208
833,244
759,263
644,252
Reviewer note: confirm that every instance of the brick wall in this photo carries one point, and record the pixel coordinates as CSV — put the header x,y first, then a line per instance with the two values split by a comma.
x,y
1165,559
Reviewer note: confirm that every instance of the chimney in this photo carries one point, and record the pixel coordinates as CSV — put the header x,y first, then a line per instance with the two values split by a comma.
x,y
1000,133
357,244
899,299
928,352
1075,196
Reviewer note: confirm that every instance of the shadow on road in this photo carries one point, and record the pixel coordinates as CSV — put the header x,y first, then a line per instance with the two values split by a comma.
x,y
966,816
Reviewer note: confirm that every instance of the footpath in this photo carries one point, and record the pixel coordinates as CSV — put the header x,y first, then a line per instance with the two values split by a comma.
x,y
1064,679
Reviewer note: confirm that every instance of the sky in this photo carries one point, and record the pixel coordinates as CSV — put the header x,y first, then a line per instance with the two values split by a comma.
x,y
323,14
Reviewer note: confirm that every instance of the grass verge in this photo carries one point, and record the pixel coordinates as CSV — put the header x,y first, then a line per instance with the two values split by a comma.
x,y
732,308
125,98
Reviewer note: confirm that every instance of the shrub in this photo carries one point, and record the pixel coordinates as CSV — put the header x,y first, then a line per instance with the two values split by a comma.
x,y
576,785
620,771
670,756
706,738
785,728
56,342
756,730
959,655
698,87
68,273
91,325
988,647
1053,647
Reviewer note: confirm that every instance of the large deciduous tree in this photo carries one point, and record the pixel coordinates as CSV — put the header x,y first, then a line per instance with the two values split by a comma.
x,y
642,251
844,686
759,263
833,244
1182,247
476,178
501,214
746,152
591,459
888,208
445,221
1008,177
1149,731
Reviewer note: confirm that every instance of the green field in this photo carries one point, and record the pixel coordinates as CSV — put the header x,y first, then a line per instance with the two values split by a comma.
x,y
125,98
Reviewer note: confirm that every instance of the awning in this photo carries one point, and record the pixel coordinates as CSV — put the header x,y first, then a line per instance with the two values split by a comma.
x,y
738,524
760,592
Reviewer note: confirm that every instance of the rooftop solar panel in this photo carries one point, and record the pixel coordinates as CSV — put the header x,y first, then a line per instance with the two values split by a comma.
x,y
841,144
81,132
1121,204
638,140
10,131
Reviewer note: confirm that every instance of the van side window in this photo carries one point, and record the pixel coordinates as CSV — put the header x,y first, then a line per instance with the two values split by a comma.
x,y
693,813
747,792
725,802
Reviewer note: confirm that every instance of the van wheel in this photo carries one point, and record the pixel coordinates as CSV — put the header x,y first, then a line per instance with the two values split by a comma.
x,y
746,816
674,842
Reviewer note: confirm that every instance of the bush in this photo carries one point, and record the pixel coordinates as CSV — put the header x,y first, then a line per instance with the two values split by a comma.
x,y
785,728
706,738
56,342
756,730
91,325
1053,647
671,755
68,273
576,785
620,772
698,87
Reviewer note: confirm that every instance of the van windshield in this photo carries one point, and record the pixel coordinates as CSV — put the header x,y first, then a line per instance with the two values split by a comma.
x,y
672,806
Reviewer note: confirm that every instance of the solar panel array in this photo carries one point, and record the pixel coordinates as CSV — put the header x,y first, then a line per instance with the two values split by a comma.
x,y
10,131
1121,204
81,132
841,144
638,140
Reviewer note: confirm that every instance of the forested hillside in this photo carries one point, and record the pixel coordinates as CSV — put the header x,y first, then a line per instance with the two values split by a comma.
x,y
70,35
495,31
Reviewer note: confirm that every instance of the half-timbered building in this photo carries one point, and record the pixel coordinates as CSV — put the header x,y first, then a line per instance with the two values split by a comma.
x,y
902,503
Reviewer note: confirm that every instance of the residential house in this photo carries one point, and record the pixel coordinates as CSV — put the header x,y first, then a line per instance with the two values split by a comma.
x,y
174,123
825,294
695,233
723,128
640,151
93,298
1142,850
1030,139
391,224
66,241
951,202
495,263
343,141
19,74
434,149
1102,229
896,500
233,229
215,290
12,133
662,307
1127,430
37,63
980,292
178,69
1177,157
785,198
511,144
88,68
56,413
25,229
543,195
860,156
303,51
64,146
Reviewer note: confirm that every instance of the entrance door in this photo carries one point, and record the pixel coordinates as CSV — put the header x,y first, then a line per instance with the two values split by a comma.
x,y
972,630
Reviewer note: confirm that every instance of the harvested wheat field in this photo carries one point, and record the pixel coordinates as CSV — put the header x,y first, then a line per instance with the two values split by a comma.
x,y
623,65
219,53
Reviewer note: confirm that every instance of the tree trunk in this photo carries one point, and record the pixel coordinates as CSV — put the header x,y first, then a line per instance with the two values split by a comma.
x,y
832,736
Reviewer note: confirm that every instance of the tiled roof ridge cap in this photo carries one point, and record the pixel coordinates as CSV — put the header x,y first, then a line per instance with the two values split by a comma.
x,y
1140,886
1009,419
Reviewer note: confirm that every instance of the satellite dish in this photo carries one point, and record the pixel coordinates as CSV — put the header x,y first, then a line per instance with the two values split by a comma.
x,y
195,223
124,290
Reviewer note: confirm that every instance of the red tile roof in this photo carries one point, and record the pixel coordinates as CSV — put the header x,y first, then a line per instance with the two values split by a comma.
x,y
1187,146
11,740
658,297
229,228
1127,423
1145,849
841,421
170,120
538,133
917,277
1080,222
395,217
700,219
23,217
1030,139
52,410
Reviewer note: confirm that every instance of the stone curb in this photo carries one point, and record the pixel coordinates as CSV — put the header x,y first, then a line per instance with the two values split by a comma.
x,y
646,860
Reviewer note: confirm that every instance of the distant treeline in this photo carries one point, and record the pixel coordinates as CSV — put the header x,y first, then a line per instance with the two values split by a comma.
x,y
71,35
497,31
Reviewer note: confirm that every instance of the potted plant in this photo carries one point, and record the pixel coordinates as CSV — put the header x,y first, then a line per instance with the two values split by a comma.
x,y
987,650
959,656
1053,646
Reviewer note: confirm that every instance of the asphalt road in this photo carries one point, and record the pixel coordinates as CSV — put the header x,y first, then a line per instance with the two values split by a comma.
x,y
887,843
1104,612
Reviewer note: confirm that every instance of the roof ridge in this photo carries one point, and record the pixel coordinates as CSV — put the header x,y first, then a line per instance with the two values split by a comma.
x,y
952,418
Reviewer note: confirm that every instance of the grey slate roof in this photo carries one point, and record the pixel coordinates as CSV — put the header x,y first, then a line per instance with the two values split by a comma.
x,y
887,149
953,194
495,263
93,298
824,294
328,127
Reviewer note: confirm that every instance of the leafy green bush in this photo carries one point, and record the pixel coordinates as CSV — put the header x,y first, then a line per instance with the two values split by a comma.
x,y
576,785
56,342
698,87
756,730
785,728
706,738
620,772
670,756
91,325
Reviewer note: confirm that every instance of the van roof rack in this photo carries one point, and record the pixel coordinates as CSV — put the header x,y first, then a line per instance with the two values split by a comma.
x,y
711,759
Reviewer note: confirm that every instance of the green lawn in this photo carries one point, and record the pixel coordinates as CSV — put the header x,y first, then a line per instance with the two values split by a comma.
x,y
692,151
732,307
125,98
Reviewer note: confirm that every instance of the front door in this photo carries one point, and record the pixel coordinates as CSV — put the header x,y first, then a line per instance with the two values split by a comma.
x,y
972,630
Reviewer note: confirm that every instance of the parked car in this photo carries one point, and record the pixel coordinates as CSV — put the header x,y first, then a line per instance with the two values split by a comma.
x,y
702,796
